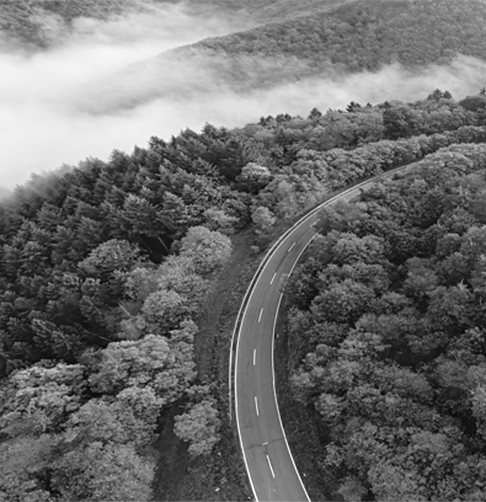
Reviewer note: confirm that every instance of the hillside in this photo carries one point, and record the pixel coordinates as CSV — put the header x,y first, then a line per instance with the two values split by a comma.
x,y
329,43
120,280
38,24
365,35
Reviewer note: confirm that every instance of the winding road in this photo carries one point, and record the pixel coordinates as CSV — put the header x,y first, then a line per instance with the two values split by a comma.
x,y
269,463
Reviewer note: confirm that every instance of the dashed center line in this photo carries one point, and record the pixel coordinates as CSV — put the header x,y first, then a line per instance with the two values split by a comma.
x,y
270,465
256,407
291,247
260,315
254,357
273,278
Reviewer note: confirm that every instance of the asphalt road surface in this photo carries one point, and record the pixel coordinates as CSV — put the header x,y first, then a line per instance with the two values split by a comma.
x,y
271,468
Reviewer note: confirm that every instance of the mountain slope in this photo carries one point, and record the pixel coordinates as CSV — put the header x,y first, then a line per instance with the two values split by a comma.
x,y
359,36
38,24
103,330
365,35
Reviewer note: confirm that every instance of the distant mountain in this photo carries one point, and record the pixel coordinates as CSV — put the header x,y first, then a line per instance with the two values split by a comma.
x,y
40,23
365,35
331,41
348,34
266,11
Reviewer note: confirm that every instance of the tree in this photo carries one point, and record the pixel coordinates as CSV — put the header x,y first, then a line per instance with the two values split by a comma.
x,y
253,177
263,219
114,422
341,216
352,489
177,274
437,95
164,310
24,468
102,472
348,248
343,302
315,114
207,249
399,121
394,482
220,220
199,426
164,365
15,489
139,283
143,402
421,280
110,256
142,218
49,337
40,399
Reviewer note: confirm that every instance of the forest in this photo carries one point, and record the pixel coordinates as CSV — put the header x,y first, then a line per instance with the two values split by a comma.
x,y
107,269
386,335
322,46
358,36
279,41
39,24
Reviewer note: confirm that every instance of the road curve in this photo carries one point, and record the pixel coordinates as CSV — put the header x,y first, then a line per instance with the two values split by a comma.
x,y
268,460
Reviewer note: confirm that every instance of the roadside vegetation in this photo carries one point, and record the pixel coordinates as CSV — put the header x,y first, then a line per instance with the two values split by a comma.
x,y
386,340
120,281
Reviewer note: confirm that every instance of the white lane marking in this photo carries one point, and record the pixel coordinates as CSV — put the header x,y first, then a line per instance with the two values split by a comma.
x,y
265,443
273,278
260,315
254,357
256,407
274,335
291,247
270,465
236,338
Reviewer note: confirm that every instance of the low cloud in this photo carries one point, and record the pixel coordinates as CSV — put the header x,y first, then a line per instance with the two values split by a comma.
x,y
62,105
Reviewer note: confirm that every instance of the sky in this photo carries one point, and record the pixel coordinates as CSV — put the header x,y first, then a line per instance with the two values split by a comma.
x,y
59,106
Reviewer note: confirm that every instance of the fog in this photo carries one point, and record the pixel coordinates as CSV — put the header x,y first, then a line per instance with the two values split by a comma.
x,y
53,104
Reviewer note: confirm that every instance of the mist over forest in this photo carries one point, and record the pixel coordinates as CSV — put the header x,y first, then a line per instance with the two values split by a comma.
x,y
41,92
103,86
179,140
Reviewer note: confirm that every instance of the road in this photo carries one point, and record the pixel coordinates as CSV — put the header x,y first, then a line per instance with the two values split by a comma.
x,y
269,463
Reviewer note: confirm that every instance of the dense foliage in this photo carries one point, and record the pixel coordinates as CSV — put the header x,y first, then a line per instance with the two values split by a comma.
x,y
104,269
71,241
41,23
386,334
356,36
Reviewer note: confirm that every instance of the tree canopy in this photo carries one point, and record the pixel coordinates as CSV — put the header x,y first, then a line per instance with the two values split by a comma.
x,y
107,267
386,330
